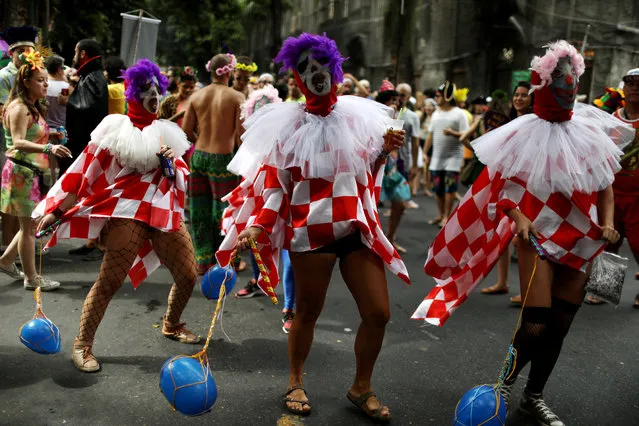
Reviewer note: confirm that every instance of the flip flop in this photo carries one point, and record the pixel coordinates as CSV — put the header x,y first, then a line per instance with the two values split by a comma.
x,y
493,289
434,221
360,402
516,300
287,398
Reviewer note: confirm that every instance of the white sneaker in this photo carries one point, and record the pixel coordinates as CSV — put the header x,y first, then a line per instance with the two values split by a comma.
x,y
13,271
45,283
410,204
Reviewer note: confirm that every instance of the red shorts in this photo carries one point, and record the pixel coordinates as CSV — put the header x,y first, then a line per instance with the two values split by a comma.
x,y
627,223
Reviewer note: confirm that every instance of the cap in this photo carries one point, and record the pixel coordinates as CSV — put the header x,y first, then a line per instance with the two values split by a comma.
x,y
386,85
20,36
633,74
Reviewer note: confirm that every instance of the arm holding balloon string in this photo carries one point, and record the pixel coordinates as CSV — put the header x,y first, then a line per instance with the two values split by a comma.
x,y
48,222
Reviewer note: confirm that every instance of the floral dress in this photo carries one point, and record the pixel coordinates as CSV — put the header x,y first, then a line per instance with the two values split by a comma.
x,y
23,172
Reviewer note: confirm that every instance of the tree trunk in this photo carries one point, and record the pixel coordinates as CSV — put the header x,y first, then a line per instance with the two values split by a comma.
x,y
276,26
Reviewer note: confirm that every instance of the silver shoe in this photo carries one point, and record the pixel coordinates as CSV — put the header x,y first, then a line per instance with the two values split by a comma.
x,y
45,283
535,406
12,271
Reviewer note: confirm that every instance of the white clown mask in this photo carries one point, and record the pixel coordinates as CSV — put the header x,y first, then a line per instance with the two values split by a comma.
x,y
315,76
150,96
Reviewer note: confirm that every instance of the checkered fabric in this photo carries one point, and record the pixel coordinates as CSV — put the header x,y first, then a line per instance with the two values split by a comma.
x,y
105,189
478,232
301,215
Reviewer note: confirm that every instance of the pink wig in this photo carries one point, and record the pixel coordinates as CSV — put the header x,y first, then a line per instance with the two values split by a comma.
x,y
248,107
545,65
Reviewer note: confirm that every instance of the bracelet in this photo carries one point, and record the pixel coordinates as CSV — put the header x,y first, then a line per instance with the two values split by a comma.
x,y
57,213
47,148
384,154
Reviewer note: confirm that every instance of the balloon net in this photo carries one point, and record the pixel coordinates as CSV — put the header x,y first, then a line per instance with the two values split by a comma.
x,y
44,338
480,393
201,356
204,382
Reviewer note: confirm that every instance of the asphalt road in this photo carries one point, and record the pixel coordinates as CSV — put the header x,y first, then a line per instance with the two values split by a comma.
x,y
421,374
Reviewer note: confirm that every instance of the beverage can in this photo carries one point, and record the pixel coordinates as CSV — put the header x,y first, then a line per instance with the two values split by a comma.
x,y
167,166
63,132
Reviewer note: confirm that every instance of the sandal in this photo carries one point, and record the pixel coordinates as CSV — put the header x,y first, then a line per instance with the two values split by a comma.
x,y
516,300
495,289
435,221
288,398
593,300
360,402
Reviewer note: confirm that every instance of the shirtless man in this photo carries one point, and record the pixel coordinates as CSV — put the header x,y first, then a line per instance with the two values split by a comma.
x,y
212,122
241,76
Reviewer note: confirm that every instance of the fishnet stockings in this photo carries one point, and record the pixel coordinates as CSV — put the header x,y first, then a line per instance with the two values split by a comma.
x,y
562,314
175,250
122,239
529,338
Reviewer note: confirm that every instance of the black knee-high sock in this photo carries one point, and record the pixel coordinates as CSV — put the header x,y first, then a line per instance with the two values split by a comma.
x,y
561,315
529,337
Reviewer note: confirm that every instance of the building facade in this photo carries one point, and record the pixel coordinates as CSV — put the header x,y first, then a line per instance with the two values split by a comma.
x,y
483,45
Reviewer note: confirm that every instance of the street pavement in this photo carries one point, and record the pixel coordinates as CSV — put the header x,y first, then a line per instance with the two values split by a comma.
x,y
421,373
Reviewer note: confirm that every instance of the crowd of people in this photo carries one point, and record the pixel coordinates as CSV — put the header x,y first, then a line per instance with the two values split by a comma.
x,y
168,170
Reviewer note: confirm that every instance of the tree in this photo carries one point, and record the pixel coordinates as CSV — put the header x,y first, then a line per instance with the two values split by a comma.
x,y
192,35
74,20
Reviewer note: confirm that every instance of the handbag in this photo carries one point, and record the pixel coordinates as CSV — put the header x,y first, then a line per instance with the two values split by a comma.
x,y
471,171
607,276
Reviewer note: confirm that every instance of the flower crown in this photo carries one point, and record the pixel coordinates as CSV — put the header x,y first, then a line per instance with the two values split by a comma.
x,y
225,69
249,68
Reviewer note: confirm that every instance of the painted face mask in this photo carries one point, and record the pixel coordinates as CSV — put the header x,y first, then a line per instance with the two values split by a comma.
x,y
150,96
564,83
315,76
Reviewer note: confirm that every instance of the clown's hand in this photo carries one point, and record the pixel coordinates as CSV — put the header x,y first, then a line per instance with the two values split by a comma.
x,y
393,140
244,239
166,151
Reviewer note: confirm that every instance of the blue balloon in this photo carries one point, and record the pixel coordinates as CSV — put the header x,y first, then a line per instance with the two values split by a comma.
x,y
482,405
188,385
213,279
41,336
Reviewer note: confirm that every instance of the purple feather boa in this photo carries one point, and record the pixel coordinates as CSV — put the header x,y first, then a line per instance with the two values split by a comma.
x,y
324,50
140,74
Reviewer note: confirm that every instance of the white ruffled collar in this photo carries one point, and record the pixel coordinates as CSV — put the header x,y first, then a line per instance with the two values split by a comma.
x,y
135,148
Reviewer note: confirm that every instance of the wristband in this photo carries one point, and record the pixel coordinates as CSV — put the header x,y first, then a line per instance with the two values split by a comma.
x,y
47,148
57,213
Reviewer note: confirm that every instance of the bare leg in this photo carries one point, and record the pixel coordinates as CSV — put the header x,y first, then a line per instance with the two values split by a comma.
x,y
397,210
502,275
26,247
428,183
312,277
10,253
448,207
363,272
10,227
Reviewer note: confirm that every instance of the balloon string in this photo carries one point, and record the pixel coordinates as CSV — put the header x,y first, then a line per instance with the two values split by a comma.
x,y
222,320
511,359
215,315
263,271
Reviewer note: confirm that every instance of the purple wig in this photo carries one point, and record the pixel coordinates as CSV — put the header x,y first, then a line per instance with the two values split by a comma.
x,y
141,74
323,49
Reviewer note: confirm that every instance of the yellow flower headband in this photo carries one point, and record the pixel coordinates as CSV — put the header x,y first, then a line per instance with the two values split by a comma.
x,y
33,58
249,68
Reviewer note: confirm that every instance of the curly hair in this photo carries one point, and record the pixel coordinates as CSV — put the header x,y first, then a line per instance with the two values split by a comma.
x,y
21,91
139,75
323,49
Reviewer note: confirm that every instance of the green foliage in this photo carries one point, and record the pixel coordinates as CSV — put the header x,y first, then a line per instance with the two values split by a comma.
x,y
74,20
